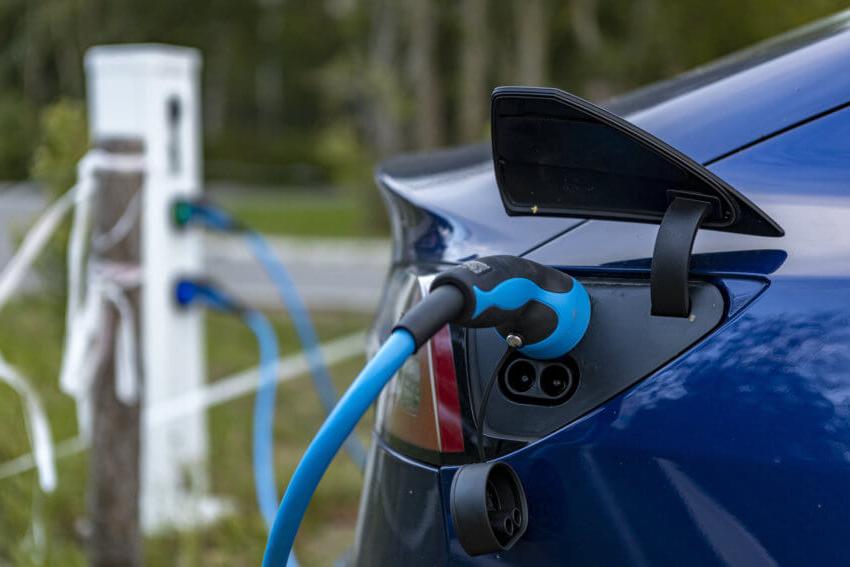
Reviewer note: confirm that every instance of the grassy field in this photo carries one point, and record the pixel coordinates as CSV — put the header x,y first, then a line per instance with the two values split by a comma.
x,y
31,338
304,214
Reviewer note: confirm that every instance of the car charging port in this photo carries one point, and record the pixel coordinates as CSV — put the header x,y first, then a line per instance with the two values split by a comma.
x,y
529,381
488,507
555,380
520,376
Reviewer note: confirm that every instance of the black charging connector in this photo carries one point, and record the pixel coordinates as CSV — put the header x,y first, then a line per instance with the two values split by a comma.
x,y
488,507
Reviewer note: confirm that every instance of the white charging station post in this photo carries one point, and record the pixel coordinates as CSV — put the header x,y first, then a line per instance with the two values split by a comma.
x,y
151,92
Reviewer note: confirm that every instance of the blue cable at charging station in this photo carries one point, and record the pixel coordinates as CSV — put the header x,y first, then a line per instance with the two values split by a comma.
x,y
190,292
208,215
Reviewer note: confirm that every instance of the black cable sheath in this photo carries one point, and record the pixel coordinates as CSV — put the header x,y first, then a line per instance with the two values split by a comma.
x,y
482,406
441,306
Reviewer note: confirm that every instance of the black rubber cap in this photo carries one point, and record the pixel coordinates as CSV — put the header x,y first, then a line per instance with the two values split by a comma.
x,y
488,507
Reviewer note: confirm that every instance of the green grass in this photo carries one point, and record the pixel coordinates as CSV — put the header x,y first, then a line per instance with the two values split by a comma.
x,y
31,338
304,215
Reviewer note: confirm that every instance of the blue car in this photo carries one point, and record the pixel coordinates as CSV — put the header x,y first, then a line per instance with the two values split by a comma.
x,y
704,419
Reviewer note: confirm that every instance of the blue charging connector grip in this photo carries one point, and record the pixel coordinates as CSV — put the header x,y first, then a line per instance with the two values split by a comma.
x,y
544,307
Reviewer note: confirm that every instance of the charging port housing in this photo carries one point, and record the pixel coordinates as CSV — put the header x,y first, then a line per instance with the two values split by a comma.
x,y
543,382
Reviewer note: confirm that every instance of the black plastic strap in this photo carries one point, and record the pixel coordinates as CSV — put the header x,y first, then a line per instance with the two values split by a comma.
x,y
671,260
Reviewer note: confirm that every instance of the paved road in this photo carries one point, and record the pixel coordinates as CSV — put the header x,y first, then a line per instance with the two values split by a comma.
x,y
331,274
20,204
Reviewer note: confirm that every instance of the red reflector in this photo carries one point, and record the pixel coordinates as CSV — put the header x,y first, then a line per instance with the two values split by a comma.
x,y
420,406
448,402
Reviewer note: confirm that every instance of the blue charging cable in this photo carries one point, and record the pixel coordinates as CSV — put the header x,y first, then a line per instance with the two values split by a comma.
x,y
186,212
336,428
306,333
496,291
265,481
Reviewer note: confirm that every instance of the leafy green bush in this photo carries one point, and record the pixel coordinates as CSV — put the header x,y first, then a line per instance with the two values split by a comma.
x,y
63,140
351,167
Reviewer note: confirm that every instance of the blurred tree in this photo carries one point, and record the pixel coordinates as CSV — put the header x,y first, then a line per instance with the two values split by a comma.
x,y
532,37
269,70
474,95
63,140
382,98
383,75
18,124
424,75
584,23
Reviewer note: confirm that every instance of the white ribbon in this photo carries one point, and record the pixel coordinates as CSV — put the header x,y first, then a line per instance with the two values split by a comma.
x,y
85,315
38,428
32,245
126,355
82,324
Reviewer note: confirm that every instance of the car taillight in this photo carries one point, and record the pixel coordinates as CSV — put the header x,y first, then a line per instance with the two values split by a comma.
x,y
420,407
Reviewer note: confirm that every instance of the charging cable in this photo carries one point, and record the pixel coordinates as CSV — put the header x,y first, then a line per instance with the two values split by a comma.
x,y
540,311
481,414
207,215
189,292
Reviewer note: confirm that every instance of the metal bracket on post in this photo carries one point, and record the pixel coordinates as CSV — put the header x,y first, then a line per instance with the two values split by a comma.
x,y
671,260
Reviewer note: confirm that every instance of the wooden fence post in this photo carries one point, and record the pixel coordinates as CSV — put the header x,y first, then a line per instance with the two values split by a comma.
x,y
113,491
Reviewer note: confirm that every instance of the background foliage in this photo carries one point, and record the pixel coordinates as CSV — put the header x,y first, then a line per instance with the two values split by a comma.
x,y
301,92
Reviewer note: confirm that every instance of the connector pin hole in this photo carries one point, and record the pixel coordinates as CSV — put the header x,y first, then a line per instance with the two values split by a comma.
x,y
555,380
520,376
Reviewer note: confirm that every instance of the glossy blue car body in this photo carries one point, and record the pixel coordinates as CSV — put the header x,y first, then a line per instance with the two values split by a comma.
x,y
738,451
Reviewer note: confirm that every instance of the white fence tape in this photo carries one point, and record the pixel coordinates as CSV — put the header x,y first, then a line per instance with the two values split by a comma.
x,y
245,382
38,428
217,393
34,242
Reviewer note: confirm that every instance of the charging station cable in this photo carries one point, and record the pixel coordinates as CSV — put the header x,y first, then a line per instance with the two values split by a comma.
x,y
212,217
189,292
541,311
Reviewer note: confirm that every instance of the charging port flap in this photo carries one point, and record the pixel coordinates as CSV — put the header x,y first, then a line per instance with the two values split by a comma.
x,y
556,154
